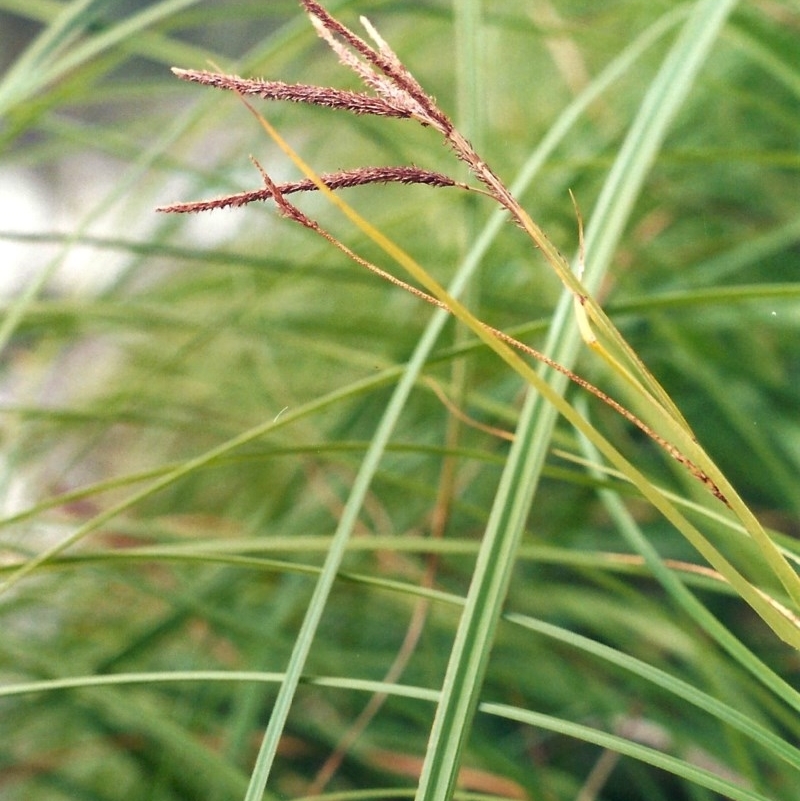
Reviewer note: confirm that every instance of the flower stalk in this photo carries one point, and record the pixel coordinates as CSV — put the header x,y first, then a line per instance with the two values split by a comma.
x,y
397,94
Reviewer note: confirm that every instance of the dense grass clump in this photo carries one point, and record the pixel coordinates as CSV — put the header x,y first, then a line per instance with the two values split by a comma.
x,y
339,478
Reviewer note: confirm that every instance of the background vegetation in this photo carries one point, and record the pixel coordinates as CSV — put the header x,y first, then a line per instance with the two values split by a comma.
x,y
186,441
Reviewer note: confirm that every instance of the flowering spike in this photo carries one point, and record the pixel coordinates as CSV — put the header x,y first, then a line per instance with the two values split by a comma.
x,y
344,179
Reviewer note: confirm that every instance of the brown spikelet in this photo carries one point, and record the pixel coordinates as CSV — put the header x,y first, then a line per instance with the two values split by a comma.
x,y
344,179
340,99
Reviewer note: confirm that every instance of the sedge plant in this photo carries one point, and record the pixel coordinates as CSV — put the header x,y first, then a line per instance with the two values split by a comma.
x,y
599,667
